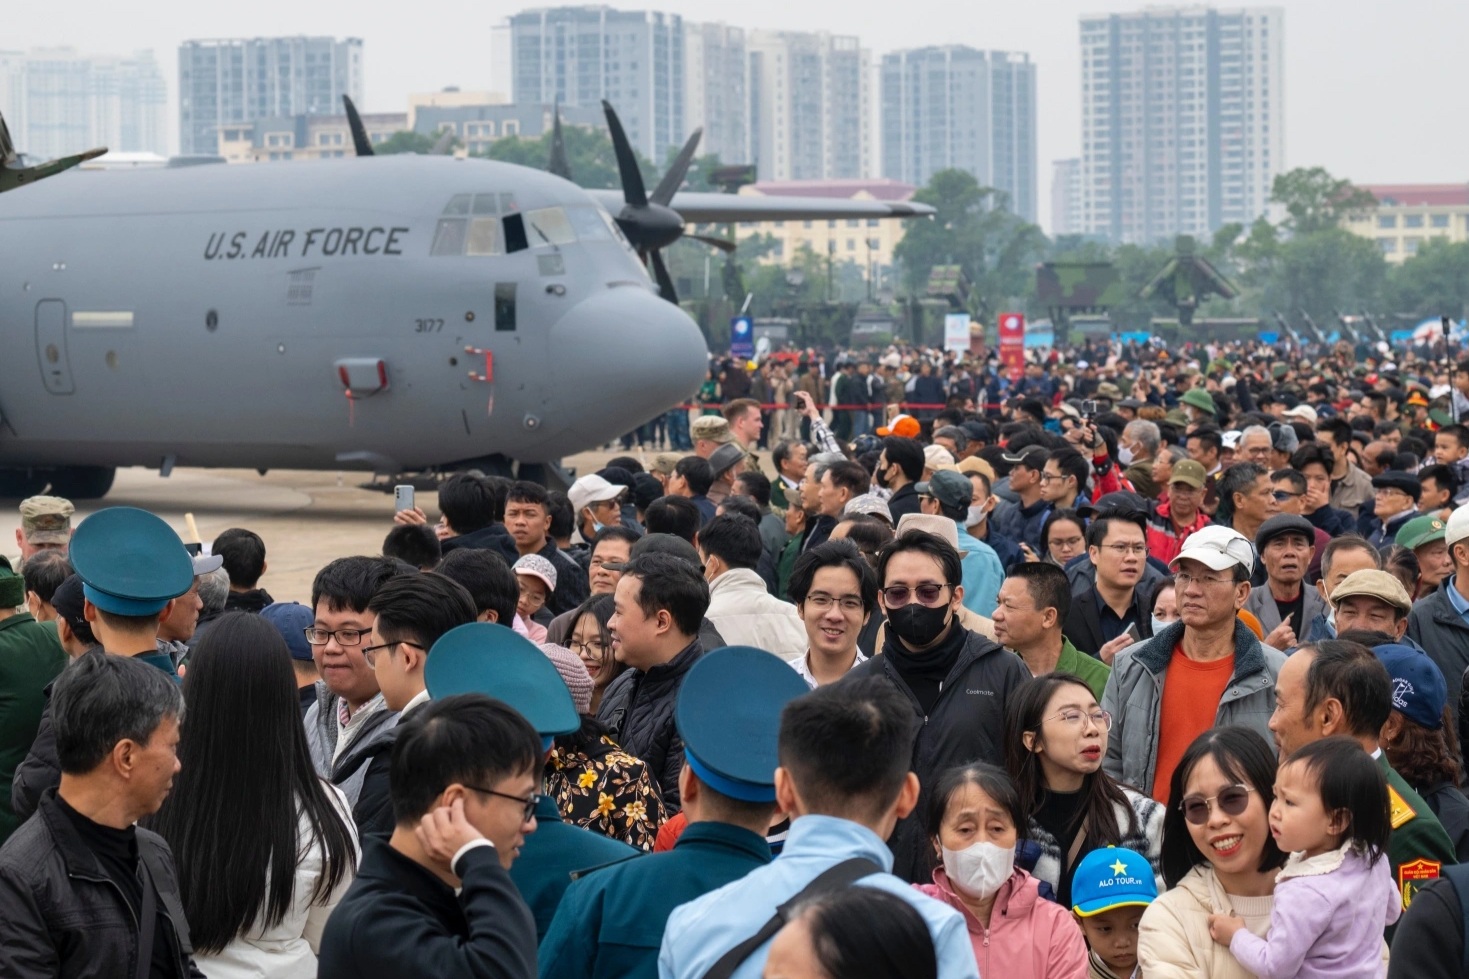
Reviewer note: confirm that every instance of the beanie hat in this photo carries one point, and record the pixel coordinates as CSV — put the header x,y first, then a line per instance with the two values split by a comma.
x,y
574,672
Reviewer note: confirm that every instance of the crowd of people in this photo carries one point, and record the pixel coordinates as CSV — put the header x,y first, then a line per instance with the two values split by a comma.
x,y
1148,663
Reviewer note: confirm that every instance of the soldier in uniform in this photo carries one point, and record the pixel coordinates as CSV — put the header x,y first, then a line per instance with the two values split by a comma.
x,y
1341,688
611,922
45,522
709,433
494,660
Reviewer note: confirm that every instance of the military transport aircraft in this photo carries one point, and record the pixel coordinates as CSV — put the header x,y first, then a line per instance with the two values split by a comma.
x,y
387,313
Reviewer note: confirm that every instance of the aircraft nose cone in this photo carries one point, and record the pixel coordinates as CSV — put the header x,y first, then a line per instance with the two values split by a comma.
x,y
623,357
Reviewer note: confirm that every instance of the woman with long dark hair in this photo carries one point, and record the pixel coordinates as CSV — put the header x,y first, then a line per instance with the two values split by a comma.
x,y
591,640
1055,739
264,847
1219,856
853,933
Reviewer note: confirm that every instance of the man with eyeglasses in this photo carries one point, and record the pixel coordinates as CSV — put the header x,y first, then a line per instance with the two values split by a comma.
x,y
412,612
1106,614
1395,497
956,681
1341,688
1285,606
1205,670
436,898
1172,522
834,590
349,704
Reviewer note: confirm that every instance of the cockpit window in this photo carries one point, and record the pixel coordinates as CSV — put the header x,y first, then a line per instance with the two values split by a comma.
x,y
493,224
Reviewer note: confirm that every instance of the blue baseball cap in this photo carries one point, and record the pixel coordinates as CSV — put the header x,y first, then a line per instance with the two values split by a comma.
x,y
1418,688
130,561
1112,877
483,657
728,714
291,620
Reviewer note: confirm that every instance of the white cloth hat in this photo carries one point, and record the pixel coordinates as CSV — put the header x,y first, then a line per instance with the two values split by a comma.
x,y
935,456
931,523
1217,548
591,489
537,567
1458,526
1305,413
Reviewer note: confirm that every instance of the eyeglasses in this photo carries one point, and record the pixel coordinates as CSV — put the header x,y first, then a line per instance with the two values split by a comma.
x,y
1076,718
1047,477
1122,550
593,648
345,637
1185,579
823,602
369,653
1282,496
927,593
1232,801
529,804
1066,542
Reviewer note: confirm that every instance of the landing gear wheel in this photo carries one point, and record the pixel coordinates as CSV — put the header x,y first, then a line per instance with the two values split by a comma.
x,y
82,482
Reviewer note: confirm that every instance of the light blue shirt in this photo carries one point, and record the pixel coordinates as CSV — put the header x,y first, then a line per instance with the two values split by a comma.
x,y
983,574
1460,603
700,932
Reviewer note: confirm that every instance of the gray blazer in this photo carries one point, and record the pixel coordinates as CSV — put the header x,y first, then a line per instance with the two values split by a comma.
x,y
1261,605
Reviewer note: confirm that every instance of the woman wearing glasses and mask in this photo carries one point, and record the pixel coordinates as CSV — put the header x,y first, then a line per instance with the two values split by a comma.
x,y
1055,738
1219,856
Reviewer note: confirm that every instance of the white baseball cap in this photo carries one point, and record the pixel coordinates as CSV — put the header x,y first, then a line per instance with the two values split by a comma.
x,y
1458,526
1305,413
1220,548
591,489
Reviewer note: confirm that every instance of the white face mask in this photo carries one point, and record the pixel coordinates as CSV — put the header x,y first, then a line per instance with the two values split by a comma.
x,y
1125,455
976,514
979,870
1159,625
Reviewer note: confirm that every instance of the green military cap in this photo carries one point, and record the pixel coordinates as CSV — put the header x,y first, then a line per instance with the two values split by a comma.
x,y
46,519
12,586
1198,398
1419,531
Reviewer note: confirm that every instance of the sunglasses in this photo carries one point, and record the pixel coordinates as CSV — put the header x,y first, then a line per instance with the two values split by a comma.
x,y
1232,801
899,595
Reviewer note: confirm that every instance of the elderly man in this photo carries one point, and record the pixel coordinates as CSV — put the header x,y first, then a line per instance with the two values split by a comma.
x,y
1439,622
1204,670
1340,559
1254,446
1285,606
1371,601
1136,450
1170,524
1424,536
1394,503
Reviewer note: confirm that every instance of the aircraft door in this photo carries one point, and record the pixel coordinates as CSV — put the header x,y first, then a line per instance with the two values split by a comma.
x,y
51,351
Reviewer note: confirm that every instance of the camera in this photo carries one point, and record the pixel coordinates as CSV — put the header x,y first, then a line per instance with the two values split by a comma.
x,y
1088,410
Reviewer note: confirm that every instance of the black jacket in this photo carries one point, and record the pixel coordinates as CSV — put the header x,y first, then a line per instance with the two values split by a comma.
x,y
492,538
63,919
1429,943
904,501
638,709
967,723
1084,622
253,600
399,921
40,770
572,587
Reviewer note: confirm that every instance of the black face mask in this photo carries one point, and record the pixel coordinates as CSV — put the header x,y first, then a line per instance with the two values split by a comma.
x,y
918,625
882,478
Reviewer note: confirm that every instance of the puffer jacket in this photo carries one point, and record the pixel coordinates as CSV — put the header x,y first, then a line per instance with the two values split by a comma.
x,y
321,736
1173,938
638,709
1028,937
64,918
746,614
1134,696
966,723
1147,838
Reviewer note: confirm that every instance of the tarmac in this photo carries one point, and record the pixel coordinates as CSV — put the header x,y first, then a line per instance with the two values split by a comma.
x,y
306,518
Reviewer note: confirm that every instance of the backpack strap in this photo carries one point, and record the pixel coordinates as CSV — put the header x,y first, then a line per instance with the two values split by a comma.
x,y
833,878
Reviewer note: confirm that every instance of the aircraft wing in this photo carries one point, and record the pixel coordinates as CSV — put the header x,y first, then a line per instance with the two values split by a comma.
x,y
713,208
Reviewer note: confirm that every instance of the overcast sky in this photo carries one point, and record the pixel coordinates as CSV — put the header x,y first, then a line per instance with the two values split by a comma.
x,y
1375,91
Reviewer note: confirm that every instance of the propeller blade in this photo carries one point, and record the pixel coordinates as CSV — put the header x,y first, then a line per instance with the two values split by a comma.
x,y
444,145
360,142
633,191
558,164
13,175
723,244
665,281
673,179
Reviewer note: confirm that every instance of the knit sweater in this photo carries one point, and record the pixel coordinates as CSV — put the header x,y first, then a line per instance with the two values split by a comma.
x,y
1147,839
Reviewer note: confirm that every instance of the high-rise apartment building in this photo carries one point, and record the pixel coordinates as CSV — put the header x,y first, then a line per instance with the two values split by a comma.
x,y
1066,197
58,101
1182,120
955,107
245,79
716,89
581,55
810,97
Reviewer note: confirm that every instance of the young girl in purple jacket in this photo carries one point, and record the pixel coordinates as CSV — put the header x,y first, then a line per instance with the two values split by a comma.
x,y
1335,894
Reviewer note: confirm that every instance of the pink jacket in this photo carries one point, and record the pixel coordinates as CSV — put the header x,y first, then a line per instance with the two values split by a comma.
x,y
1028,937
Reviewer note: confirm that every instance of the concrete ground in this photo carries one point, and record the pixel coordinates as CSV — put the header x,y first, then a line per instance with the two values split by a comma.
x,y
306,518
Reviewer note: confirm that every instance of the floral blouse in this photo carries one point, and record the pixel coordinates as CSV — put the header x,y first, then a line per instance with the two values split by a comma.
x,y
608,791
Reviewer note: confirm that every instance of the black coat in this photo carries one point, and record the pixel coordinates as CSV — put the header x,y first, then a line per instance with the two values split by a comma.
x,y
399,921
63,919
1429,943
904,501
1084,622
492,538
966,723
638,709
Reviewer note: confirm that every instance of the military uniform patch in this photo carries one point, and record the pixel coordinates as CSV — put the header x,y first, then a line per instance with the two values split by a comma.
x,y
1399,811
1412,876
